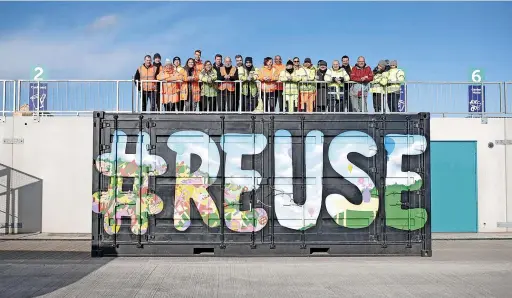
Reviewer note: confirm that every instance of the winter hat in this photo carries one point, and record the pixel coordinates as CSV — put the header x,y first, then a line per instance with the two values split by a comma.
x,y
307,60
176,58
393,62
322,63
248,59
289,62
168,61
157,56
382,63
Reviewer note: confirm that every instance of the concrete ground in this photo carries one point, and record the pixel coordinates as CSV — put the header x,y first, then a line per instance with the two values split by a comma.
x,y
63,268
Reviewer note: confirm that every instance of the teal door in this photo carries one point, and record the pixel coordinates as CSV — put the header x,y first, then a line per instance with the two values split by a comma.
x,y
454,186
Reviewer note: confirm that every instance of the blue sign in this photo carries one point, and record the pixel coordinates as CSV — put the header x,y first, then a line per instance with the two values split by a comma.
x,y
36,96
476,98
402,102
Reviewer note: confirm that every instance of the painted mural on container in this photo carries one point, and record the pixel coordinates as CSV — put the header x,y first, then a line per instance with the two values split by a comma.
x,y
193,186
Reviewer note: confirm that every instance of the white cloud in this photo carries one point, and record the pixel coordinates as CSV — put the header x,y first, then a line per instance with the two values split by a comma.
x,y
109,47
104,22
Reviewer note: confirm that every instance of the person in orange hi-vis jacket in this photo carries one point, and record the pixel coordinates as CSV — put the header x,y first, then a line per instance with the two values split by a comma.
x,y
268,76
228,73
197,59
190,92
170,92
279,66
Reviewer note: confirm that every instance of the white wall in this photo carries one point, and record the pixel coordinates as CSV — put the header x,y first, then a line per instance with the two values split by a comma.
x,y
491,164
58,150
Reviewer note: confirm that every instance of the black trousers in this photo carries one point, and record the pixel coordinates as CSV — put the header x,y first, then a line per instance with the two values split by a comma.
x,y
377,102
393,99
249,103
151,96
270,101
209,104
322,100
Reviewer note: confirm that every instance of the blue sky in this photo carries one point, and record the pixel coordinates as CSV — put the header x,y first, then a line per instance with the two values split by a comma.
x,y
432,41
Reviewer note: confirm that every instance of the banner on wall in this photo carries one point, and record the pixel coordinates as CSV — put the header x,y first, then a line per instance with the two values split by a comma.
x,y
402,102
37,94
476,98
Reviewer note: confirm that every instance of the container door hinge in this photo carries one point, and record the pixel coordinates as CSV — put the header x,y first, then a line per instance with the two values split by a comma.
x,y
105,124
105,147
420,192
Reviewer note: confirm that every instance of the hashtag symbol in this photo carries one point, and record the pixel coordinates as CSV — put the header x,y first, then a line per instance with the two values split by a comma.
x,y
138,203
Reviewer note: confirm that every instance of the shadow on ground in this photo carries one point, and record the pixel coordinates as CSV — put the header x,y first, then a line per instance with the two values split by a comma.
x,y
29,269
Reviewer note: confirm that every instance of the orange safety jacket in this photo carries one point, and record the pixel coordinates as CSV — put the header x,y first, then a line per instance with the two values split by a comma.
x,y
229,86
171,88
190,86
273,74
199,65
147,74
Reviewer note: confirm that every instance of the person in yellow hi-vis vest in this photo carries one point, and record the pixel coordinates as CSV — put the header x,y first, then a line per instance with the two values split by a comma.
x,y
395,78
207,78
247,73
307,90
378,86
291,77
337,76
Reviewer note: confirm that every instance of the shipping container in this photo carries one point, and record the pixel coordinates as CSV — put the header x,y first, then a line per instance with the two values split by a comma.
x,y
261,184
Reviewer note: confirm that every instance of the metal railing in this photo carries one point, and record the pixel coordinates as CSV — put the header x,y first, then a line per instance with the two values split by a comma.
x,y
7,98
507,98
78,97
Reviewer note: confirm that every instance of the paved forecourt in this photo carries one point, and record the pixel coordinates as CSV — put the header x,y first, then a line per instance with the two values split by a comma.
x,y
63,268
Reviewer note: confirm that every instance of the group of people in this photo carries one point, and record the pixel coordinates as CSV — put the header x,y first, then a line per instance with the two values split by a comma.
x,y
221,86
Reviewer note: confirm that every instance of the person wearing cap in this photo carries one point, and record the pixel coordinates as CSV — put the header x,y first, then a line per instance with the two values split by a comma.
x,y
228,73
146,72
378,87
307,90
207,77
177,64
170,88
385,68
248,75
395,78
268,76
217,65
197,59
321,85
361,75
157,63
345,64
291,76
239,64
337,77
